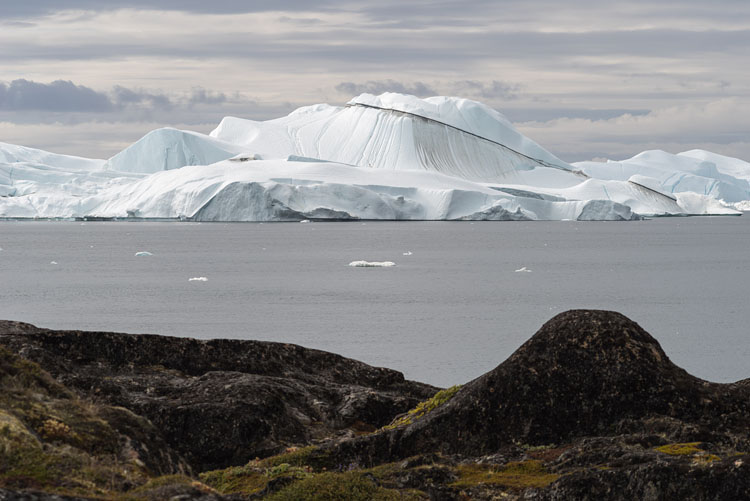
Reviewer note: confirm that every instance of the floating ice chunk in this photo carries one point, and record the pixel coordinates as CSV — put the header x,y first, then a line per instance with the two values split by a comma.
x,y
408,253
523,270
305,221
198,279
143,254
53,262
372,264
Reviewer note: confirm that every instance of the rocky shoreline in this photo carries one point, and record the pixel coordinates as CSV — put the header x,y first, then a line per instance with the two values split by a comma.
x,y
589,408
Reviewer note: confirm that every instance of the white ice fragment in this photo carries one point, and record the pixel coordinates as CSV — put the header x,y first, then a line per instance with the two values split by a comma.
x,y
372,264
523,270
408,253
53,262
143,254
198,279
305,221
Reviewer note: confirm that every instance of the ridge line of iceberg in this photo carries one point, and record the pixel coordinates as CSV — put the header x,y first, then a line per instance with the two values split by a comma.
x,y
541,162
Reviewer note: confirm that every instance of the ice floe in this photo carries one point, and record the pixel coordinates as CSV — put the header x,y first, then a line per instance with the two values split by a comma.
x,y
372,264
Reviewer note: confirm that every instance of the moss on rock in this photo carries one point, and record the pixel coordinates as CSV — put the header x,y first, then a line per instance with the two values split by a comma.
x,y
424,408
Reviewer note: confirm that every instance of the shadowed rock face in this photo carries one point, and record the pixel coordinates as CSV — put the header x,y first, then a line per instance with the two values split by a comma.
x,y
583,373
221,402
589,408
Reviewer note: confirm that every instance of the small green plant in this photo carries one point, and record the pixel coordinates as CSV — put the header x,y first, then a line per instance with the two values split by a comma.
x,y
52,429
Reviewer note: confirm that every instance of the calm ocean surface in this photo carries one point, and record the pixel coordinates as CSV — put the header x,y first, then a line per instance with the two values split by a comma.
x,y
452,310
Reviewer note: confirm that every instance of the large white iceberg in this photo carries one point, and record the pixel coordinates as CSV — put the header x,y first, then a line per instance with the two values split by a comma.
x,y
390,157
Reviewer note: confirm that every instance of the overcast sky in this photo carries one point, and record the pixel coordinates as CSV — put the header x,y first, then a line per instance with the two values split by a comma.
x,y
586,79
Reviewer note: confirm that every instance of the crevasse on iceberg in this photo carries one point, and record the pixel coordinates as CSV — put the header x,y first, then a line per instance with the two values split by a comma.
x,y
391,157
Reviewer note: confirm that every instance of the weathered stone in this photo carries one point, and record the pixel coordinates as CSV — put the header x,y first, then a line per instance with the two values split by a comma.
x,y
584,373
221,402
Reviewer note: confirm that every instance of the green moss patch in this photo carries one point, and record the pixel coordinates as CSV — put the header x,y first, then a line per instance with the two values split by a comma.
x,y
424,408
686,449
348,486
52,441
514,475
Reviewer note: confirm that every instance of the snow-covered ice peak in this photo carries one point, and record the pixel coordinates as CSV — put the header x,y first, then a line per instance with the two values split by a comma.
x,y
168,148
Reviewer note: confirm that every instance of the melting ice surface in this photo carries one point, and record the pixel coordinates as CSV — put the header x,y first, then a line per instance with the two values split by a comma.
x,y
392,156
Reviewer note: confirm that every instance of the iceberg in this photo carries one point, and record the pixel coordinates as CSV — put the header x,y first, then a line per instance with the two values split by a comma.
x,y
388,157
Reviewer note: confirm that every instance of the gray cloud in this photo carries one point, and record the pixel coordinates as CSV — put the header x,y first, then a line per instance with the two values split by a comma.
x,y
492,90
81,101
59,95
547,114
124,97
41,7
203,96
378,87
578,67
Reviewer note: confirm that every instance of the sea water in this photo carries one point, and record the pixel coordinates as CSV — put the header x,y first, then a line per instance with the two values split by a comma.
x,y
460,299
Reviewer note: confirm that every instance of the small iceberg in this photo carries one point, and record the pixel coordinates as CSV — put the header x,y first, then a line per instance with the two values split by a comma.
x,y
523,270
305,221
408,253
143,254
53,262
372,264
198,279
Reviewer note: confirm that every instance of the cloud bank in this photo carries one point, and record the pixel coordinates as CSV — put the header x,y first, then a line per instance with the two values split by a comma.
x,y
569,74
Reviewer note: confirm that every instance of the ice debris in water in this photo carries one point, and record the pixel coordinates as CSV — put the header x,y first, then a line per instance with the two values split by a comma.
x,y
523,269
53,262
198,279
408,253
143,253
372,264
305,221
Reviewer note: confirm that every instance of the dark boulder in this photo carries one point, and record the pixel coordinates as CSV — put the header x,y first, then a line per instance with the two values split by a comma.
x,y
584,373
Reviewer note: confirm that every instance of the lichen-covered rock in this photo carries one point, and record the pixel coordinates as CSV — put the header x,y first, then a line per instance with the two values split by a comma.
x,y
584,373
221,402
